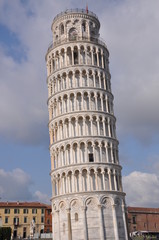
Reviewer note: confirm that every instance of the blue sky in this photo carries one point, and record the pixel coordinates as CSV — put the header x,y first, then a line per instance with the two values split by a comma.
x,y
130,29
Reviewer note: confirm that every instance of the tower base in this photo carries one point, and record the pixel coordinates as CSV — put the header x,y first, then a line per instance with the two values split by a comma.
x,y
90,216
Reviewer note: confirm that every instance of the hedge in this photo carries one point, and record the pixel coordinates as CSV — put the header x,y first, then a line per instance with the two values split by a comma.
x,y
5,233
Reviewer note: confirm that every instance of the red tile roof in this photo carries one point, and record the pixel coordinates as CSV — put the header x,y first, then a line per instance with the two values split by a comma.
x,y
142,210
24,204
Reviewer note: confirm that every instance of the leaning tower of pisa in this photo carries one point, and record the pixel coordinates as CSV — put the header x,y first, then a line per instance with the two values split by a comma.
x,y
88,202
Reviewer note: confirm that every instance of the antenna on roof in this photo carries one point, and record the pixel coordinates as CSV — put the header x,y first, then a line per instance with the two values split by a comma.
x,y
87,8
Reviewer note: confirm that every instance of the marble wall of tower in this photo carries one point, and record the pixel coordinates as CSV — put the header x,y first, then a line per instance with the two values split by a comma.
x,y
88,201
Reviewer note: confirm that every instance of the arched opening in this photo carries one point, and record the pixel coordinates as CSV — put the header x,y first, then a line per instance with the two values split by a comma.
x,y
86,101
88,126
75,152
83,27
103,153
76,55
65,104
95,129
70,77
80,126
72,101
101,126
82,149
62,57
69,56
76,217
77,78
84,175
92,104
84,79
62,29
97,152
79,101
106,180
92,176
91,79
73,122
64,80
89,59
77,181
82,55
100,181
90,153
73,34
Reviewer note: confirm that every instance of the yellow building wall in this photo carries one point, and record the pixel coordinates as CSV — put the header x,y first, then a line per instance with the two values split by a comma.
x,y
20,227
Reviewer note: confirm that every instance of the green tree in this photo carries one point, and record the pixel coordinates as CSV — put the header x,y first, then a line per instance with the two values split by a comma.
x,y
5,233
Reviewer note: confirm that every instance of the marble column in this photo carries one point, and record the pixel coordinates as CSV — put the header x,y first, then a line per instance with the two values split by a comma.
x,y
69,224
124,220
101,222
115,222
84,223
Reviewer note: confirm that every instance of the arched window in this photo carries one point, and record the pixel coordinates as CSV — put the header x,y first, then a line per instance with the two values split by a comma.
x,y
83,27
76,217
73,34
62,29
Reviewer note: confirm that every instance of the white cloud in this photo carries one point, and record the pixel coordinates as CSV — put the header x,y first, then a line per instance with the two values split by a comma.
x,y
16,185
23,88
42,197
142,189
130,31
132,37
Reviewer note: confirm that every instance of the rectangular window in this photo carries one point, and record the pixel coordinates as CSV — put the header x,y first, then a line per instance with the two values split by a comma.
x,y
91,159
16,211
34,219
34,211
129,220
42,219
6,219
25,219
42,211
24,232
16,221
134,220
7,211
49,211
25,210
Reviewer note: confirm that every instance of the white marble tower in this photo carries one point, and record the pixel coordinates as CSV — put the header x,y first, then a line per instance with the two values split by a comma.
x,y
88,202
